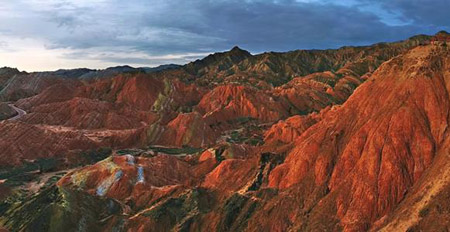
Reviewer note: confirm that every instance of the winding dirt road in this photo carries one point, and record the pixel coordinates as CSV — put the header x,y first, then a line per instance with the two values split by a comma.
x,y
19,111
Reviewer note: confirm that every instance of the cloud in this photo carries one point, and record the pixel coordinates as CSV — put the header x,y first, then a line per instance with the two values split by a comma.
x,y
140,31
120,56
432,13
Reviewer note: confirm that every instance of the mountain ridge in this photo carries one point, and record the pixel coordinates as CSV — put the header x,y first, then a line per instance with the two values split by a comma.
x,y
352,139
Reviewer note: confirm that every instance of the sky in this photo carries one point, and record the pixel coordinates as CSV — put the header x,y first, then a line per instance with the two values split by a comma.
x,y
45,35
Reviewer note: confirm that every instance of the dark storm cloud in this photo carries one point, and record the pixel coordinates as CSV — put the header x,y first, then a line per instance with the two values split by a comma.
x,y
181,26
163,27
291,25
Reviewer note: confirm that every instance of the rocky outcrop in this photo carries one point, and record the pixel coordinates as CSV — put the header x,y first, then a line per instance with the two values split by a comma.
x,y
287,131
317,91
369,155
351,143
53,94
32,142
84,113
122,177
232,102
276,68
187,129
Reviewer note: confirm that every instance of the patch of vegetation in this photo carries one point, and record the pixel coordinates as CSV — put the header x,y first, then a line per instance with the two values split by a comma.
x,y
173,207
232,208
244,120
234,137
237,210
55,209
47,164
176,150
424,212
14,198
52,180
412,228
255,141
240,137
181,210
218,154
270,159
133,152
93,156
185,109
17,175
29,171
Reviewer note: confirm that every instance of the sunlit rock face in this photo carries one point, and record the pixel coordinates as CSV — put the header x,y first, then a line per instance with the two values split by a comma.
x,y
369,155
354,139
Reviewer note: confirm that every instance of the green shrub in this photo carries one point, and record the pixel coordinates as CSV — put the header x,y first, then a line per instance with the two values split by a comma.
x,y
424,211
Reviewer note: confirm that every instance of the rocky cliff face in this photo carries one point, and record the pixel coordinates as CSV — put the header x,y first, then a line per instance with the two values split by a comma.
x,y
354,139
371,154
231,102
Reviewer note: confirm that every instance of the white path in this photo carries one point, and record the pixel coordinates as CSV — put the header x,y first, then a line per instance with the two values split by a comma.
x,y
19,111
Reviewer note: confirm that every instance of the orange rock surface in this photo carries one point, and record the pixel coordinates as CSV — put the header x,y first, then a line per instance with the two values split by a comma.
x,y
367,154
231,102
353,139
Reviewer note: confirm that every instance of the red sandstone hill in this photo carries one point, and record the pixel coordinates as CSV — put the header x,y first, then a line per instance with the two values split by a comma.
x,y
370,151
231,102
353,139
348,168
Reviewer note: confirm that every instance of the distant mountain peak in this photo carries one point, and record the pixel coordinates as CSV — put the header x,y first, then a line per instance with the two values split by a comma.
x,y
9,68
238,50
442,33
121,68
